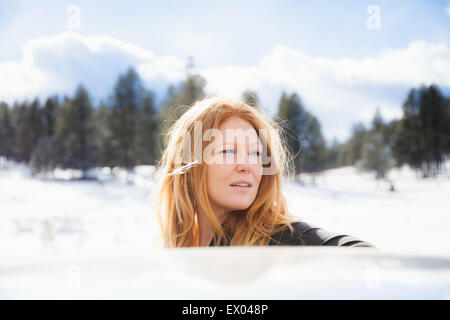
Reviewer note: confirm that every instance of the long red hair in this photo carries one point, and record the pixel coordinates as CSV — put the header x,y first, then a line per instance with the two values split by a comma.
x,y
181,188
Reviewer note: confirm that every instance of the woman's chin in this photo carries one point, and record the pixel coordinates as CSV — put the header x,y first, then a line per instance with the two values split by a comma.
x,y
239,207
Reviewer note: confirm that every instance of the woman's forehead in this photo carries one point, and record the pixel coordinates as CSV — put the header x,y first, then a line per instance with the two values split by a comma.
x,y
235,127
235,123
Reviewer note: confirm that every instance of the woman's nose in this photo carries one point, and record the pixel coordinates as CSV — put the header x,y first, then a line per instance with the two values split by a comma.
x,y
243,167
242,162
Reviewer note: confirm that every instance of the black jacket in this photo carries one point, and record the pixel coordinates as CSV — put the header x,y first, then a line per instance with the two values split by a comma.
x,y
307,235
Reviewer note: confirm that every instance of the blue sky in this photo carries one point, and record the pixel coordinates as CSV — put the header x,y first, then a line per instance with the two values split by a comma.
x,y
236,32
256,41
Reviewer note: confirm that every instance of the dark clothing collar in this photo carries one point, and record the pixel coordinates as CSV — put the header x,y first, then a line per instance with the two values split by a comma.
x,y
305,234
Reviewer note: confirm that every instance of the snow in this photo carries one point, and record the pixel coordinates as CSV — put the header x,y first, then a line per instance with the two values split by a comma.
x,y
106,229
414,219
231,273
54,217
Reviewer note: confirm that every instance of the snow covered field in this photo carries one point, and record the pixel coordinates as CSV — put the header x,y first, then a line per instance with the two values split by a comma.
x,y
414,219
44,220
40,217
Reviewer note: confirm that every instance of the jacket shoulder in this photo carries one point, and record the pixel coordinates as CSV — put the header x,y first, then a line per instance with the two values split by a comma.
x,y
308,235
288,237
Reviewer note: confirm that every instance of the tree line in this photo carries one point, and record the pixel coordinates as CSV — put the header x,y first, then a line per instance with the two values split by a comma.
x,y
127,129
420,138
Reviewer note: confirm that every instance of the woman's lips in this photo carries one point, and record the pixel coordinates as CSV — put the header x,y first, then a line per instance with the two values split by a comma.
x,y
240,188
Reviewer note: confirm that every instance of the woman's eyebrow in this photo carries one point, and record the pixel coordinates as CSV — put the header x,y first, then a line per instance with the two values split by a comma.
x,y
234,144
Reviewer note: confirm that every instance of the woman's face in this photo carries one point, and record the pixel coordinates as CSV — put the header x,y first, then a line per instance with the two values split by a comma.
x,y
237,160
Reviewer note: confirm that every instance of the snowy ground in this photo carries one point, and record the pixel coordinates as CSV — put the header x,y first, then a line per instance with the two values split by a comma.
x,y
414,219
44,218
47,217
46,221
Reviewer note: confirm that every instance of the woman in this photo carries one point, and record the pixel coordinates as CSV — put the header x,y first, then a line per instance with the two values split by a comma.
x,y
219,182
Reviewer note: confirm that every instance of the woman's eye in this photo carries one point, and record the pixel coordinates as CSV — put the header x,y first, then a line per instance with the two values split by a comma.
x,y
257,153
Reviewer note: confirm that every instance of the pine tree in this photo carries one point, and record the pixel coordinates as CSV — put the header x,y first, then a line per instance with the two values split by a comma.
x,y
376,153
187,92
102,119
49,114
24,142
126,108
314,147
409,146
36,121
76,142
148,131
43,158
331,158
435,133
289,115
250,97
6,131
180,98
422,136
351,151
302,133
446,133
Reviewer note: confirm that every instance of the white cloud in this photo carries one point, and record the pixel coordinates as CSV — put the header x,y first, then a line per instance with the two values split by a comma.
x,y
19,79
338,91
58,63
170,68
447,10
